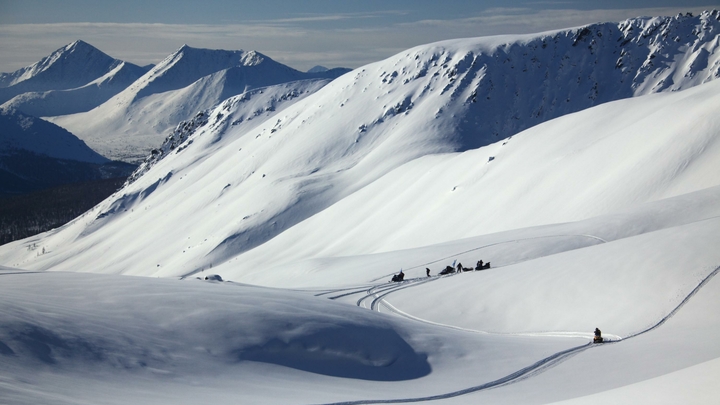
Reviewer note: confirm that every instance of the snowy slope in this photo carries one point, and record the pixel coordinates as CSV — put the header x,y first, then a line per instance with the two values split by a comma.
x,y
296,187
75,100
74,66
494,87
513,334
606,217
136,120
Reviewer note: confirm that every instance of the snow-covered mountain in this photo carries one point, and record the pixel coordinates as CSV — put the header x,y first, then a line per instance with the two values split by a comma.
x,y
75,78
604,217
186,82
36,154
522,81
345,163
79,99
22,131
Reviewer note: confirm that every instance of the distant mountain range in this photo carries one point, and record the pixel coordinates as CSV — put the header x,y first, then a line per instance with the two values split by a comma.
x,y
75,78
36,154
136,120
107,101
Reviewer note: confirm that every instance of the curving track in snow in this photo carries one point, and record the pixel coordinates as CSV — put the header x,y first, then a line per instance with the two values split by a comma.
x,y
524,373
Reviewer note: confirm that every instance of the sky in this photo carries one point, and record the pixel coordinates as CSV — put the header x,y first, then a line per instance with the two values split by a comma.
x,y
299,33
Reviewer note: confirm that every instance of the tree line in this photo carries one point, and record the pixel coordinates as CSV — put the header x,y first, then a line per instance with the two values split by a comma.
x,y
29,214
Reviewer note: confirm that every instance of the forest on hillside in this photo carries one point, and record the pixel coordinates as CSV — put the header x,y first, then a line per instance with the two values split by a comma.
x,y
29,214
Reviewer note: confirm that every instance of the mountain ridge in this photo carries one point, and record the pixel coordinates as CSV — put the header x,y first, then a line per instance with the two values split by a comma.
x,y
74,65
256,184
186,82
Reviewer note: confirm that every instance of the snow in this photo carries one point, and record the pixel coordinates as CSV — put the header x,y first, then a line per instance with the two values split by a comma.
x,y
24,132
80,99
677,387
362,198
268,227
135,121
73,78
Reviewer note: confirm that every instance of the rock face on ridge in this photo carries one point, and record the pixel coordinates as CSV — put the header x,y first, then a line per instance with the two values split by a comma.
x,y
502,85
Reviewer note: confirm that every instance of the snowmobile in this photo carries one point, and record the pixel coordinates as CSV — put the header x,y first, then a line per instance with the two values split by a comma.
x,y
481,266
598,336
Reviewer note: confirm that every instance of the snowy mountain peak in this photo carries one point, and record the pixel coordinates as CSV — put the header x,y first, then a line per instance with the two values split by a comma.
x,y
70,67
200,78
79,45
79,56
252,58
188,64
318,69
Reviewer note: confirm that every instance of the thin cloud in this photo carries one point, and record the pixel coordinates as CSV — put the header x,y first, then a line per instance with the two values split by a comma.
x,y
330,17
295,42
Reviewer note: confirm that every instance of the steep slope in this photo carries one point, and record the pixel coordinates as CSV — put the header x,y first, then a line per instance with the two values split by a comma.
x,y
70,67
188,81
302,185
494,87
80,99
357,162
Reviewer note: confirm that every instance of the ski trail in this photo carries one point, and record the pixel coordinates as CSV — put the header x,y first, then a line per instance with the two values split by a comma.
x,y
386,289
20,272
564,334
337,290
682,303
375,290
537,367
543,364
378,298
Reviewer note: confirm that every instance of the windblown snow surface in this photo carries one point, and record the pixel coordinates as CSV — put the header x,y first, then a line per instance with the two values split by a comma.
x,y
306,200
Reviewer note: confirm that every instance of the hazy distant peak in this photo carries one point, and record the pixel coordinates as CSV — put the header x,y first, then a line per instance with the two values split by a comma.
x,y
318,69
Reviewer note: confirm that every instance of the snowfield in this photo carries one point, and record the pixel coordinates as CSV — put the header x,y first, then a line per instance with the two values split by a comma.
x,y
306,197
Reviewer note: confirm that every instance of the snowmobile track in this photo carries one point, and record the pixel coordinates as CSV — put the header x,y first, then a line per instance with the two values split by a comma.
x,y
535,368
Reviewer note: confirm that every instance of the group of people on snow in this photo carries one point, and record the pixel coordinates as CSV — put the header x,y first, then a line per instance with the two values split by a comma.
x,y
447,270
459,268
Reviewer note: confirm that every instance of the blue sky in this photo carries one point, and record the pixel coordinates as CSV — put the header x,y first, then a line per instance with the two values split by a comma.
x,y
300,33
